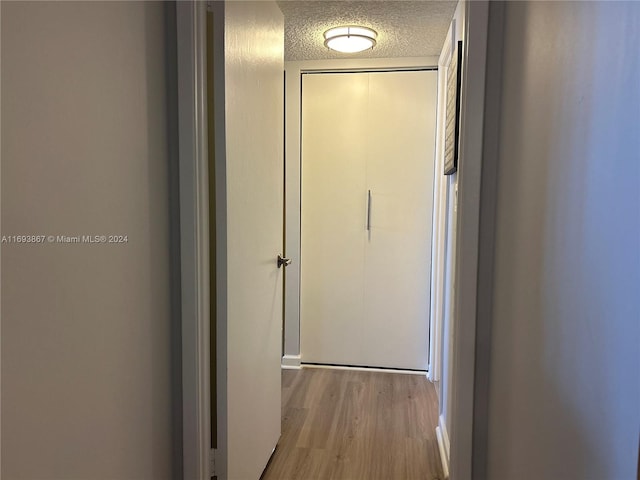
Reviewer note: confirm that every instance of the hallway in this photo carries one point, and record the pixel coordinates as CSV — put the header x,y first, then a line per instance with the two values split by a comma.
x,y
351,425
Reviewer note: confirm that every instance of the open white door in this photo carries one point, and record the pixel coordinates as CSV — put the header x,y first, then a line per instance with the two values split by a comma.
x,y
249,109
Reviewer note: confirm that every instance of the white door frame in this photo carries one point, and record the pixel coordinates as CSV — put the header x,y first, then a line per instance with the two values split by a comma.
x,y
438,232
444,235
494,36
0,282
468,276
194,237
191,19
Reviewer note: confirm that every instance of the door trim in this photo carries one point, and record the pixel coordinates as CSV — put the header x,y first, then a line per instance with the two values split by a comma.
x,y
191,23
194,237
438,229
486,236
0,301
471,274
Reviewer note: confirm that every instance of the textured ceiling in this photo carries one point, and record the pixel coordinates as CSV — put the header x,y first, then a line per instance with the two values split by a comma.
x,y
405,28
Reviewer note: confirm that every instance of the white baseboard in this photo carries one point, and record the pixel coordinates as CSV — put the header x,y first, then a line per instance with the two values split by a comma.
x,y
291,362
365,369
443,445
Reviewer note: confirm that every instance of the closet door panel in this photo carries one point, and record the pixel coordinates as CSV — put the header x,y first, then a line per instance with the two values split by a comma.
x,y
334,146
399,173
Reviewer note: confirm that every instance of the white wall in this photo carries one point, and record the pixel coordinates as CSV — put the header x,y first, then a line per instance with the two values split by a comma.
x,y
86,371
564,385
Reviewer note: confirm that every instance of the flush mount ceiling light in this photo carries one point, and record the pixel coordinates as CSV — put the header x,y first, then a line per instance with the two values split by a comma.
x,y
350,39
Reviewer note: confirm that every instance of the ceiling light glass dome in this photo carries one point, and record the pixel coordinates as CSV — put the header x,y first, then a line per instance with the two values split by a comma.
x,y
350,39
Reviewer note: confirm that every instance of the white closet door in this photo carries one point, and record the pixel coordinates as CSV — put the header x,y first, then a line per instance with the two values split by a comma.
x,y
402,115
365,292
334,122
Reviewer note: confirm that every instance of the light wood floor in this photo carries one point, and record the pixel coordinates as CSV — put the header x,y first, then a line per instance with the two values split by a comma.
x,y
350,425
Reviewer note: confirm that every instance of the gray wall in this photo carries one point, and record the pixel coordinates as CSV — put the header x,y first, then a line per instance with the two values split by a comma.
x,y
565,388
86,374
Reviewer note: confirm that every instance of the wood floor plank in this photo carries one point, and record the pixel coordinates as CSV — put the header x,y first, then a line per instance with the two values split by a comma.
x,y
352,425
340,464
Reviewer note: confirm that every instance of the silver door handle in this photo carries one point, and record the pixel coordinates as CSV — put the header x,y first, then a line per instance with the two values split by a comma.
x,y
368,210
283,261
